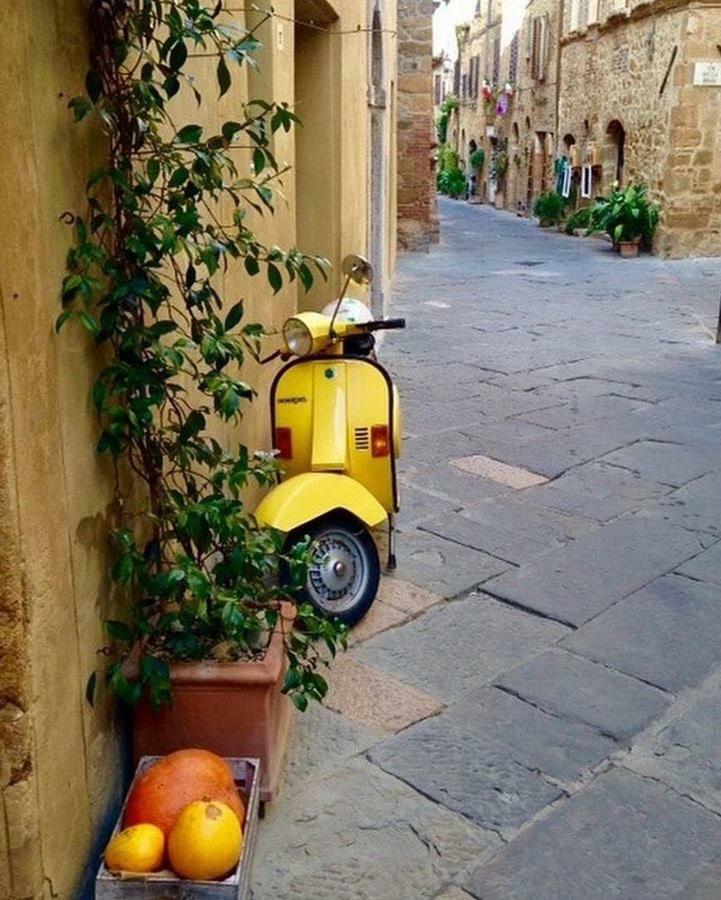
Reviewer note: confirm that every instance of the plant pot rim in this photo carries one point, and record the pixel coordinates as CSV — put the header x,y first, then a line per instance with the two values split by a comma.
x,y
230,674
213,674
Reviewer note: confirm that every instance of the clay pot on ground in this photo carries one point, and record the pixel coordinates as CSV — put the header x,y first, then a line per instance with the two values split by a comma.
x,y
235,709
628,249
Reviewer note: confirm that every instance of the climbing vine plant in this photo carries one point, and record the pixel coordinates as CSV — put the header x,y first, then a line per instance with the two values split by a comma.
x,y
167,215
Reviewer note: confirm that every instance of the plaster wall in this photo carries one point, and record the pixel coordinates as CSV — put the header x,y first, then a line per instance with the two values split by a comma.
x,y
63,763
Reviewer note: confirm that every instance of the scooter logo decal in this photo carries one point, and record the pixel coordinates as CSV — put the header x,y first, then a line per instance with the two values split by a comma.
x,y
293,400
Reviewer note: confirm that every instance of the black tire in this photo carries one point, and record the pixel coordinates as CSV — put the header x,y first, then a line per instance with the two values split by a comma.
x,y
357,585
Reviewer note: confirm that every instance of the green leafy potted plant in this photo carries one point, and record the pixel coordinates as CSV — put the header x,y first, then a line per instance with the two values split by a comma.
x,y
549,208
579,222
628,217
209,639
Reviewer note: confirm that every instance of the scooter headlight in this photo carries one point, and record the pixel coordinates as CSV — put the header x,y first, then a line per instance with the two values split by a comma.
x,y
297,337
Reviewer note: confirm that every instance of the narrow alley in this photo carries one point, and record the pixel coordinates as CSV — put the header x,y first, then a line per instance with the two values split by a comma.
x,y
531,710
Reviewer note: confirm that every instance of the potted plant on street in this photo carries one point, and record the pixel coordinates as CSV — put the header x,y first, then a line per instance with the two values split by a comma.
x,y
476,161
209,640
628,217
548,209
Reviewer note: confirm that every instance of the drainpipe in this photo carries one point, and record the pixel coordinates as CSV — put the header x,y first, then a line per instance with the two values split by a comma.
x,y
561,16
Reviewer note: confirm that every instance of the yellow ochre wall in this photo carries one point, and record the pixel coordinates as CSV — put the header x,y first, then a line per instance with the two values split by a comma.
x,y
63,763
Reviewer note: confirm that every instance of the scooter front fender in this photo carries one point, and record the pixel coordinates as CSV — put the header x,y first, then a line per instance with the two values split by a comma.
x,y
309,496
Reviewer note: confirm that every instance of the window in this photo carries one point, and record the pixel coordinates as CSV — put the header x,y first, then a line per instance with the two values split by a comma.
x,y
513,60
437,90
540,42
497,60
464,85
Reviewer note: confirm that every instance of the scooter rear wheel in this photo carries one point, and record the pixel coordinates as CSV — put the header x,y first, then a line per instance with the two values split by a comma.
x,y
345,569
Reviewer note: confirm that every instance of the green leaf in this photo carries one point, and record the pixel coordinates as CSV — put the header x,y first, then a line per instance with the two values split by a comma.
x,y
80,107
223,75
62,319
258,160
178,55
275,279
300,701
128,692
235,315
89,323
90,688
179,177
190,134
230,129
252,267
119,631
93,85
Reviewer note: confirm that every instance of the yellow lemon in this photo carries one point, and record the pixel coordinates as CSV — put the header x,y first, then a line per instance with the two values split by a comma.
x,y
206,841
139,848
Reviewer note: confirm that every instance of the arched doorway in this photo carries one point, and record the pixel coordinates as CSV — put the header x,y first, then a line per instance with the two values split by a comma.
x,y
378,155
616,150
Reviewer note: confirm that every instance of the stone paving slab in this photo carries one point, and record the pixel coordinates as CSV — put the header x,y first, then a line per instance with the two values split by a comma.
x,y
374,698
704,567
666,463
694,506
576,688
596,491
484,757
418,505
459,646
578,581
487,467
454,485
685,752
322,741
592,409
509,528
403,595
668,633
442,566
623,836
379,617
358,834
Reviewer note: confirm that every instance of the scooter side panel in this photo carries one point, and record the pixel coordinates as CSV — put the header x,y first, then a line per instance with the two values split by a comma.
x,y
293,409
369,406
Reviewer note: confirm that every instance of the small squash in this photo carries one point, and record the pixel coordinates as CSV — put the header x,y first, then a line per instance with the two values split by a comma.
x,y
205,842
140,848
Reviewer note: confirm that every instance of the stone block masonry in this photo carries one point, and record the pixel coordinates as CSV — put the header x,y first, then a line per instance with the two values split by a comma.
x,y
417,219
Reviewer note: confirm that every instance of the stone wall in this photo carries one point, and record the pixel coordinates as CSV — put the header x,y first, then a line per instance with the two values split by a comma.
x,y
417,219
628,80
532,129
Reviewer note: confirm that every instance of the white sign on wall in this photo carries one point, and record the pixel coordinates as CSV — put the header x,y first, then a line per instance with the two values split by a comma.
x,y
707,74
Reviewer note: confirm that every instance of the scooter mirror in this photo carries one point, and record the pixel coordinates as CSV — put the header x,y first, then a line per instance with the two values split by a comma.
x,y
357,269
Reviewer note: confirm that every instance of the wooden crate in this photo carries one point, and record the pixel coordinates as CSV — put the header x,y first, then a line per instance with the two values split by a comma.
x,y
166,885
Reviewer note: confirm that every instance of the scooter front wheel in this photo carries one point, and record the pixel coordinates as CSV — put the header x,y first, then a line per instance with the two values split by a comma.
x,y
344,570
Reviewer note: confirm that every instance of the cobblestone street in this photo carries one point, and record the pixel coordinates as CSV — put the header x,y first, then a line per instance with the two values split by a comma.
x,y
533,707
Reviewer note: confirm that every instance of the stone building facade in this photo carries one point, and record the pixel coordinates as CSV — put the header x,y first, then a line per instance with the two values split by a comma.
x,y
624,91
630,104
63,763
533,121
417,218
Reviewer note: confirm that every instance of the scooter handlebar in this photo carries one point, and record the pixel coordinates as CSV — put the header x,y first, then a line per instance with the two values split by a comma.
x,y
384,324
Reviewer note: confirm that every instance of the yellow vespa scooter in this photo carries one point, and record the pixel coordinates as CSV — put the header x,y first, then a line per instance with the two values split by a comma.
x,y
337,431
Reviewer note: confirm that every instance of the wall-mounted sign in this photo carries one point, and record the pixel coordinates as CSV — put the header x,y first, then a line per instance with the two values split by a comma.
x,y
490,131
707,74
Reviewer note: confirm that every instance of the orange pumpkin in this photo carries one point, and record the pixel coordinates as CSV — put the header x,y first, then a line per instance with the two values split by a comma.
x,y
161,793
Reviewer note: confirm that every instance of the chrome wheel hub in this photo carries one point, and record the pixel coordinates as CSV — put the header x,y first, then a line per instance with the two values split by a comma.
x,y
337,572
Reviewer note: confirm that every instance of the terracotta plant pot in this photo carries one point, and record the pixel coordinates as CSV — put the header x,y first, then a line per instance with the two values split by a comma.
x,y
628,249
234,709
